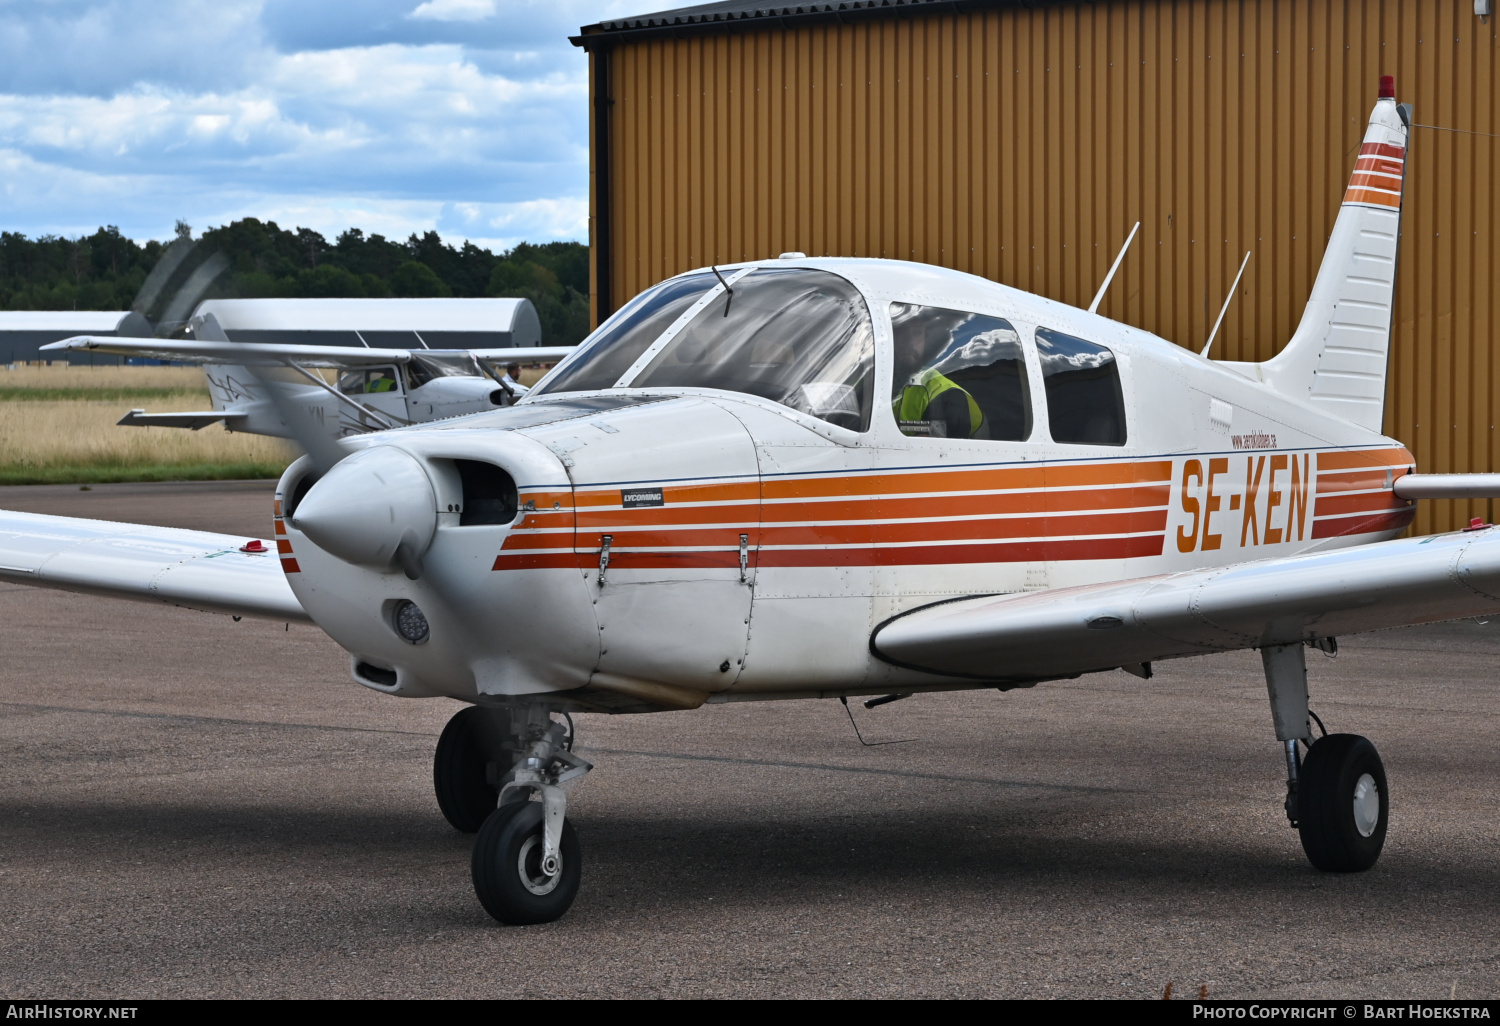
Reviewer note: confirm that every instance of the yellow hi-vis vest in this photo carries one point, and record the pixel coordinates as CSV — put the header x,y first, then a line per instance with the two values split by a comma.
x,y
915,399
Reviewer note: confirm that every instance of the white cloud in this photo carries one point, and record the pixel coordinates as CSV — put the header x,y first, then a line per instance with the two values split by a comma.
x,y
223,116
500,226
454,10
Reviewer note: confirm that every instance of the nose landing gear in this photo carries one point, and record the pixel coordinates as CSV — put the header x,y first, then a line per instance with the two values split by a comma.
x,y
526,865
1337,797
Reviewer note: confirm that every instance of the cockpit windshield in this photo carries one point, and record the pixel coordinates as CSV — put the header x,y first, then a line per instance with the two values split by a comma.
x,y
617,344
424,367
796,336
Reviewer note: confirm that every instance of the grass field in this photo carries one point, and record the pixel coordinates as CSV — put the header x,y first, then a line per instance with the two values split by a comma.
x,y
57,426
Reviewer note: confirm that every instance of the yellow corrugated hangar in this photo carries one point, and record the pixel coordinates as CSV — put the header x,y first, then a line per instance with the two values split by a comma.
x,y
1021,141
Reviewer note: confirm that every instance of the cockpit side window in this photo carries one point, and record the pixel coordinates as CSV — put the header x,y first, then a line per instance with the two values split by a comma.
x,y
369,381
620,342
797,336
958,375
1082,379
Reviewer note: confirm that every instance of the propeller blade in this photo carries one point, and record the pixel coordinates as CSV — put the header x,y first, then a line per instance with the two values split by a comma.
x,y
157,280
305,425
192,290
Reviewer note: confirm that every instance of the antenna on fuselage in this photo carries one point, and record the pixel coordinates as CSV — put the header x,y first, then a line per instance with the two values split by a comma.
x,y
1227,300
1103,288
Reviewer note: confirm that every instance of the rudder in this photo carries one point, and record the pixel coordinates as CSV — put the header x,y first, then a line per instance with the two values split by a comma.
x,y
1338,357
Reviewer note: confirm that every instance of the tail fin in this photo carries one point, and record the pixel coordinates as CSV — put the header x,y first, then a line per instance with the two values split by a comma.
x,y
1337,359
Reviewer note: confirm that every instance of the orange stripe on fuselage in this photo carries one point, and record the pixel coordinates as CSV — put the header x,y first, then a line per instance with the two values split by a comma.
x,y
1360,459
1354,493
859,534
1368,502
883,507
1089,511
1338,527
926,555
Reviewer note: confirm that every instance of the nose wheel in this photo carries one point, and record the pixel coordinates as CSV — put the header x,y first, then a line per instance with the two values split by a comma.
x,y
525,864
1342,804
514,879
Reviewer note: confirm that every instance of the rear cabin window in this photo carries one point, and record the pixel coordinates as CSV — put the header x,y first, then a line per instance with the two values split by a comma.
x,y
1082,380
958,375
620,341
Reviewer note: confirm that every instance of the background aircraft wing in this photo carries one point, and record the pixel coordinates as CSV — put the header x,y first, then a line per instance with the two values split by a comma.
x,y
531,354
151,564
1069,631
238,354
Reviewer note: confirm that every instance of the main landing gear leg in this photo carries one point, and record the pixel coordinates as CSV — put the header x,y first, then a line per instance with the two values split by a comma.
x,y
1336,796
526,863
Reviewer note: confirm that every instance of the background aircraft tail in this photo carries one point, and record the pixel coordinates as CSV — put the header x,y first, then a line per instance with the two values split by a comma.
x,y
1337,358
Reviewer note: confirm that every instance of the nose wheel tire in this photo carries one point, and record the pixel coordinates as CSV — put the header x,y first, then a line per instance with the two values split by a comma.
x,y
509,879
1342,804
459,770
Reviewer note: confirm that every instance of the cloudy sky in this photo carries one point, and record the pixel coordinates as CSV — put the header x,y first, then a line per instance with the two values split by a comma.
x,y
468,116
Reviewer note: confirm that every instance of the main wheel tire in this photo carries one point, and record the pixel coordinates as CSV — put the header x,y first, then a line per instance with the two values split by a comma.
x,y
459,772
507,867
1342,804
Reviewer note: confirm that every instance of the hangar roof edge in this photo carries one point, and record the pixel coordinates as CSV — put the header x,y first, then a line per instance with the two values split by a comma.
x,y
735,15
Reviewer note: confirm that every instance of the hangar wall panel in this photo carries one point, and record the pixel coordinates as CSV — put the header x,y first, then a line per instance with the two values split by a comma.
x,y
1022,144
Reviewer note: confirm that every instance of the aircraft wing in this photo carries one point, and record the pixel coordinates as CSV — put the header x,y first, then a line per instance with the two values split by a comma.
x,y
263,354
194,569
239,354
1069,631
531,354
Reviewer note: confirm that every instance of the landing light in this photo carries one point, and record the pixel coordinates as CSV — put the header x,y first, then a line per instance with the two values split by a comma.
x,y
410,622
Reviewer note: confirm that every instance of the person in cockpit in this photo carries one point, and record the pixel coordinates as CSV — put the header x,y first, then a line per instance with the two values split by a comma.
x,y
930,403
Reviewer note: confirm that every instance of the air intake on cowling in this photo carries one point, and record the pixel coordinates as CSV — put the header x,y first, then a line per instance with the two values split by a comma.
x,y
489,494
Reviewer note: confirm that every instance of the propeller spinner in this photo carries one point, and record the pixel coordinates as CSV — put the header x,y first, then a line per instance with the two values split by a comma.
x,y
375,508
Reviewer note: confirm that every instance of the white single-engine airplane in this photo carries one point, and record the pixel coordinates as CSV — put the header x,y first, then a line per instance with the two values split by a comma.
x,y
376,388
816,478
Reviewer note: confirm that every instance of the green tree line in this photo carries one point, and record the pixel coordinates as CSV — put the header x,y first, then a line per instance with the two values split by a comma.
x,y
105,270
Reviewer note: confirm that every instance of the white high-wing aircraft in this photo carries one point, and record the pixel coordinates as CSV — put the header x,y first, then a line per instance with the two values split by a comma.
x,y
819,478
376,388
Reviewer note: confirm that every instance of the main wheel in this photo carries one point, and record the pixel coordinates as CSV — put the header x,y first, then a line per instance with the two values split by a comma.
x,y
507,866
460,771
1342,804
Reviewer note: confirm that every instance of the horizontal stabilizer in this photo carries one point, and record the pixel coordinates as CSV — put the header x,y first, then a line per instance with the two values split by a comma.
x,y
1448,486
1069,631
140,418
194,569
